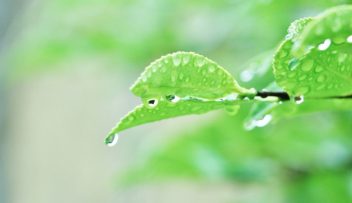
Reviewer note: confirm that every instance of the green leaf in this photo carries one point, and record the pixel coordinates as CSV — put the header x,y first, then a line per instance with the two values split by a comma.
x,y
315,59
185,74
165,109
181,84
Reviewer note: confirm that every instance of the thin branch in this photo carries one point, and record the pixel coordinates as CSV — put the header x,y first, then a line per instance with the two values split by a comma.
x,y
284,96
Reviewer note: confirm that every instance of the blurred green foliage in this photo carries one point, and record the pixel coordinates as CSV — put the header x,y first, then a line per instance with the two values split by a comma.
x,y
129,34
309,156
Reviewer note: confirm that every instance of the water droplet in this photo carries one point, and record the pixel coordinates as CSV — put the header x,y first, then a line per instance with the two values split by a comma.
x,y
319,69
199,62
112,140
176,59
173,77
130,118
293,63
153,103
299,99
319,30
259,123
302,90
232,110
342,57
302,77
307,65
325,45
154,69
292,75
211,69
163,69
264,121
173,98
283,54
321,78
230,97
220,72
186,59
181,76
349,39
246,75
338,40
336,25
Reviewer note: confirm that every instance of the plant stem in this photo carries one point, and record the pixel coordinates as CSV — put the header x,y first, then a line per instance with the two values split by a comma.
x,y
283,96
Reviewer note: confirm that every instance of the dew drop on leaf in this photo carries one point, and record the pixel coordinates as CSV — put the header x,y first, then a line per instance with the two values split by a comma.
x,y
307,66
299,99
318,69
112,140
325,45
173,98
321,78
302,90
293,64
176,59
342,57
152,103
186,59
211,69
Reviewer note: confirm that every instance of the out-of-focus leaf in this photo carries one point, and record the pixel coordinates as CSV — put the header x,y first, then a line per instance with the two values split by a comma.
x,y
315,59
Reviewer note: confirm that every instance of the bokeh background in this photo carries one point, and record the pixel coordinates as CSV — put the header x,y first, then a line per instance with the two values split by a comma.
x,y
65,70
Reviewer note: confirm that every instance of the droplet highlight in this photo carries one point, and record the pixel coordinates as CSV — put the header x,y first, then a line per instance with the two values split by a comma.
x,y
112,140
349,39
325,45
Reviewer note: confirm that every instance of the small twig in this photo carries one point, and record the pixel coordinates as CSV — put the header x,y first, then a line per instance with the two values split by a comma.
x,y
283,96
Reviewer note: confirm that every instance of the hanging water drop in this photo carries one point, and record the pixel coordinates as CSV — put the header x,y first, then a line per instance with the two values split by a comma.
x,y
325,45
299,99
259,123
112,140
264,121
